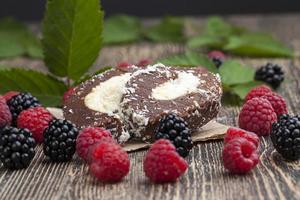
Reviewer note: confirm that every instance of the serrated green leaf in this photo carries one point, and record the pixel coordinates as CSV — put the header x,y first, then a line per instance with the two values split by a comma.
x,y
86,77
242,89
170,29
190,59
233,72
121,29
17,40
71,36
48,89
257,44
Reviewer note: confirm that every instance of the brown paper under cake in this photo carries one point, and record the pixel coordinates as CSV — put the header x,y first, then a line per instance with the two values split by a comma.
x,y
211,131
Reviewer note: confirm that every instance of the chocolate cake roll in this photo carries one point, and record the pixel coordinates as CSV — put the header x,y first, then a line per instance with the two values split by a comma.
x,y
194,94
96,103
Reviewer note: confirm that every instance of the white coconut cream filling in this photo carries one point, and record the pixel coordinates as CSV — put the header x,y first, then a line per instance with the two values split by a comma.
x,y
106,97
186,83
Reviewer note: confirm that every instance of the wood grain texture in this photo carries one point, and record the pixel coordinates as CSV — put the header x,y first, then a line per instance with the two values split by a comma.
x,y
273,178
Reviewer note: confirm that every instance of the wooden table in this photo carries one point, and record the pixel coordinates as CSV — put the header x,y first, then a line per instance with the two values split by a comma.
x,y
206,178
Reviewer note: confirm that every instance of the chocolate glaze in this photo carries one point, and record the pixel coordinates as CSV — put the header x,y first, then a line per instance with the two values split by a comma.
x,y
142,112
76,111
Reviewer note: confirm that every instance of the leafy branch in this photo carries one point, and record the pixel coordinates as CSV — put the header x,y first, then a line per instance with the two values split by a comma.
x,y
72,38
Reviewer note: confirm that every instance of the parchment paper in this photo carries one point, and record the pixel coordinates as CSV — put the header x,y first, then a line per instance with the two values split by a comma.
x,y
211,131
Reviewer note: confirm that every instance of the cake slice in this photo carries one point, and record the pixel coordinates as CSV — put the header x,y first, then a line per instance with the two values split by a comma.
x,y
96,102
193,93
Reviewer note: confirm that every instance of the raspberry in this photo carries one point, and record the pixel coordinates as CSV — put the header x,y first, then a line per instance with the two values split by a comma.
x,y
5,115
278,103
60,140
143,63
271,74
36,120
67,94
109,162
240,155
257,115
89,137
123,66
7,96
234,132
216,54
176,130
162,163
258,91
285,136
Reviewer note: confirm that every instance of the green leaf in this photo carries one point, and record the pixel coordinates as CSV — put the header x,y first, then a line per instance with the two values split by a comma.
x,y
257,44
242,89
170,29
121,29
71,36
215,34
232,72
218,27
48,89
190,59
210,41
17,40
87,77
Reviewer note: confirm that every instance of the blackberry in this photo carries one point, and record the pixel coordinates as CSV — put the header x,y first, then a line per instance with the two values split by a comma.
x,y
60,140
176,130
217,61
16,147
271,74
217,57
285,136
21,102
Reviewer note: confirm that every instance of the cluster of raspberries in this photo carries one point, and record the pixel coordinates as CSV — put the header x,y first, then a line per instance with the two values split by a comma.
x,y
261,109
108,162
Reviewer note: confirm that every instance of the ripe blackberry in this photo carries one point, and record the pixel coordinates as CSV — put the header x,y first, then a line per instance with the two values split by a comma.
x,y
176,130
285,136
60,140
21,102
16,147
271,74
217,57
217,61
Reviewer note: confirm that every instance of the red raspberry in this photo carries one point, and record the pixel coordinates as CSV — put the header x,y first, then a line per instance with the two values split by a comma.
x,y
89,137
216,54
258,91
109,162
257,115
123,66
5,115
234,132
7,96
68,93
278,103
143,63
240,155
36,120
162,163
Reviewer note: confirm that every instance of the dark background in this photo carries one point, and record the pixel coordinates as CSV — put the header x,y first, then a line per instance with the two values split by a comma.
x,y
31,10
